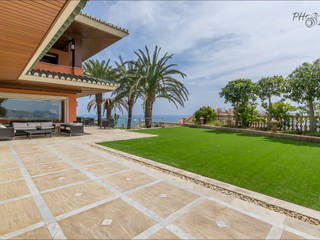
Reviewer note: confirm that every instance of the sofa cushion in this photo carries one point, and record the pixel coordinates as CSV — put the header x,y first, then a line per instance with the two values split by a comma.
x,y
47,125
20,125
2,126
33,125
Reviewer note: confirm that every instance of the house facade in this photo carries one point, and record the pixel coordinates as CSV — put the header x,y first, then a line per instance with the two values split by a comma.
x,y
42,47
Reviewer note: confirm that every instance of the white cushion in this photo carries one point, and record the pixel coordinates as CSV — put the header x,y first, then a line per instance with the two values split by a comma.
x,y
33,125
2,126
20,125
46,125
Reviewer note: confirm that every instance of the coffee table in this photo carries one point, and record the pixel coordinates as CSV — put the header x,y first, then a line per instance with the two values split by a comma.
x,y
37,132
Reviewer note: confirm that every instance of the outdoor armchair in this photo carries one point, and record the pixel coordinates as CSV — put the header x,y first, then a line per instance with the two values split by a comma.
x,y
6,133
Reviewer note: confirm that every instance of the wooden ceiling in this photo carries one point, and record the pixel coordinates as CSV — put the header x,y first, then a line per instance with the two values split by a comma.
x,y
23,26
93,40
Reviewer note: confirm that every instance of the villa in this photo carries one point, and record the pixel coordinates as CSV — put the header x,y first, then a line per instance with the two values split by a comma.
x,y
42,47
183,182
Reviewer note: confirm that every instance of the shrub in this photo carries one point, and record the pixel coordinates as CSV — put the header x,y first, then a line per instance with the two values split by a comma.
x,y
217,123
207,113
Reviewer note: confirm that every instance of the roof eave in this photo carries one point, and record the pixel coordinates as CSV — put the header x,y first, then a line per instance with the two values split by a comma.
x,y
61,24
101,26
69,82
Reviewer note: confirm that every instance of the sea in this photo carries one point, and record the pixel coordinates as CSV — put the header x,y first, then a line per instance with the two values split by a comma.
x,y
137,118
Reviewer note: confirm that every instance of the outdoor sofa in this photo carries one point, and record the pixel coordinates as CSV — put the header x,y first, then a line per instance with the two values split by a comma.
x,y
21,128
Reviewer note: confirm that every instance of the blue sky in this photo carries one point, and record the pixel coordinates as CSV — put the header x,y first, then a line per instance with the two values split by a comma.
x,y
213,42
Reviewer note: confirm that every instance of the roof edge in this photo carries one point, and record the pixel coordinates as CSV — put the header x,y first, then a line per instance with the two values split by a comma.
x,y
69,19
124,30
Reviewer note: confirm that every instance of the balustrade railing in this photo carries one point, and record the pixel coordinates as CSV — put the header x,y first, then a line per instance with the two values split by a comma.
x,y
293,122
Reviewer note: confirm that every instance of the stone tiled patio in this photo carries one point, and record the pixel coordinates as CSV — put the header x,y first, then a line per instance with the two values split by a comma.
x,y
62,187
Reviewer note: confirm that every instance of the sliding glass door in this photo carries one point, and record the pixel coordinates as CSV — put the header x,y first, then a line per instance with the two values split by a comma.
x,y
24,109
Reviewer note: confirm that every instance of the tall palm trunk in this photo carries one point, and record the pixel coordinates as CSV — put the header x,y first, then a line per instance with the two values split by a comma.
x,y
148,113
109,113
130,107
99,102
312,119
269,114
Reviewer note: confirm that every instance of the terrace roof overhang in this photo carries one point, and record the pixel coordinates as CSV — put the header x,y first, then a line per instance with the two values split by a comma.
x,y
95,35
28,29
61,82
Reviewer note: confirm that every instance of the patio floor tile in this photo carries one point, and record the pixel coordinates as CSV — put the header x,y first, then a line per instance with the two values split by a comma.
x,y
43,157
84,161
122,222
212,220
10,174
13,189
313,230
288,235
128,180
104,168
58,179
47,168
164,234
18,214
7,161
163,199
39,233
74,197
25,147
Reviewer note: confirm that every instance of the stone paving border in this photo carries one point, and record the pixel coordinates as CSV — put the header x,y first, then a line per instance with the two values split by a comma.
x,y
299,212
257,132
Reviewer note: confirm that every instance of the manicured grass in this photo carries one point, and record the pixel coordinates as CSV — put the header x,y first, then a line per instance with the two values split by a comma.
x,y
282,168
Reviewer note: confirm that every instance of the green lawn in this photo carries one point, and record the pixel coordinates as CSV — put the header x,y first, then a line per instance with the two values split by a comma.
x,y
282,168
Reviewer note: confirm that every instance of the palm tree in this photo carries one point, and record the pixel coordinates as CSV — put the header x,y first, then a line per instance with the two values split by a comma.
x,y
157,81
110,104
127,78
99,70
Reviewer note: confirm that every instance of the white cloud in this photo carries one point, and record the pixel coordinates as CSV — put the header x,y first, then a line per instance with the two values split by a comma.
x,y
213,41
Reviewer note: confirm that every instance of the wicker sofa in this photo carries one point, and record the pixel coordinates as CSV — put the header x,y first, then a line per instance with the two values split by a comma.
x,y
20,128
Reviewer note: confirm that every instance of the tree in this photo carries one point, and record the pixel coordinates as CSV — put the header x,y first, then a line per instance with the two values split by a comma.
x,y
157,80
127,76
266,88
238,92
207,113
110,104
99,70
303,86
248,113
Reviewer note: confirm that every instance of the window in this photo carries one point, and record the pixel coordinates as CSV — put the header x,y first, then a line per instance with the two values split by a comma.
x,y
29,109
50,58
